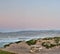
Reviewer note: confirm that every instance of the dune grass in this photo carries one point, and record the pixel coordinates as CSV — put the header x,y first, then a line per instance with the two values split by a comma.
x,y
49,45
5,52
31,42
7,45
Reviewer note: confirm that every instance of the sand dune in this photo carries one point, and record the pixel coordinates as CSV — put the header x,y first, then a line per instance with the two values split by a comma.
x,y
24,48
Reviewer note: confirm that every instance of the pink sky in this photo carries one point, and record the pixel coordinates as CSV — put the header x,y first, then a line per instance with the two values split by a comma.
x,y
29,14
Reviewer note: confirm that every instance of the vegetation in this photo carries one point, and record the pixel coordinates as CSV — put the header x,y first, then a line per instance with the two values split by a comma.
x,y
10,44
48,45
31,42
7,45
5,52
47,38
57,39
18,42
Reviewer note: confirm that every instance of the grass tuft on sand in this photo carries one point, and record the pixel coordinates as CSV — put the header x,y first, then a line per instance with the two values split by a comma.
x,y
31,42
5,52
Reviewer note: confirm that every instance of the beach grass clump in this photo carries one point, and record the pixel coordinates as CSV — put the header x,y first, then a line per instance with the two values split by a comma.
x,y
5,52
45,44
31,42
48,45
47,38
7,45
18,42
57,40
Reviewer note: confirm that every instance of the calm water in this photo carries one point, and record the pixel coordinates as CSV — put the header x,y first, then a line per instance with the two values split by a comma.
x,y
6,38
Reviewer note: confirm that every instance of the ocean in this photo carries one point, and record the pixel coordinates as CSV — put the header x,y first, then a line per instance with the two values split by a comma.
x,y
10,37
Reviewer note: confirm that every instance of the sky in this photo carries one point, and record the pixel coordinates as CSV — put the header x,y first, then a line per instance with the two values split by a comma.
x,y
29,14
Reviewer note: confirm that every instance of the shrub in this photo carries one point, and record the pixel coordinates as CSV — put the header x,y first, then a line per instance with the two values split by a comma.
x,y
7,45
48,45
47,38
5,52
31,42
18,42
45,44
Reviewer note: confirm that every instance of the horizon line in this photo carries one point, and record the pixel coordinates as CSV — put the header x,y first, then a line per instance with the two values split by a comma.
x,y
25,30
